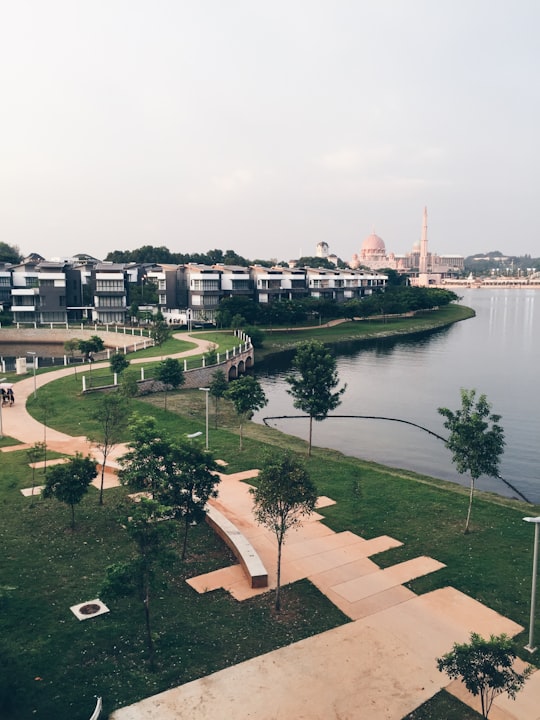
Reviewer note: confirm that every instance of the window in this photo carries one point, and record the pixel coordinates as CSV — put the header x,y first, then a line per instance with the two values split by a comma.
x,y
203,284
31,282
109,285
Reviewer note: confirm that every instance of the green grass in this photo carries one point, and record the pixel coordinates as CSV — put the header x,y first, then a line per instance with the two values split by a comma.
x,y
443,706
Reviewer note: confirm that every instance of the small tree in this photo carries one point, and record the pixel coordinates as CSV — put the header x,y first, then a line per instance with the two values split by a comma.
x,y
128,387
35,454
476,440
190,482
143,466
119,363
150,537
111,416
71,346
284,495
218,388
247,395
312,387
69,483
485,667
170,373
210,356
160,332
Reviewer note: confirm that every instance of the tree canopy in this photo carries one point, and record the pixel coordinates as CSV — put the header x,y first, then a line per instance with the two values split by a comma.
x,y
284,495
476,439
313,384
485,667
247,395
69,483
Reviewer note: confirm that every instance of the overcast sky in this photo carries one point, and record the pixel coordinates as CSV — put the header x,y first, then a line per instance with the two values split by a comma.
x,y
266,127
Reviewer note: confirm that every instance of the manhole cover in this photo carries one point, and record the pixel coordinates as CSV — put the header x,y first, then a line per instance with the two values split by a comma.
x,y
90,609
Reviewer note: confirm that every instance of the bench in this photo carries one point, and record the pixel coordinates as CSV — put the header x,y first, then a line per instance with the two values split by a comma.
x,y
240,545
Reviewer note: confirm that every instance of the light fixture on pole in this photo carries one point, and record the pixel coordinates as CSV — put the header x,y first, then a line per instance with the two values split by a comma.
x,y
536,521
1,426
34,359
206,390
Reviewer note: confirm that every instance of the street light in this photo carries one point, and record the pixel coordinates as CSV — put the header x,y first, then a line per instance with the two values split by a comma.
x,y
536,521
34,363
206,390
1,426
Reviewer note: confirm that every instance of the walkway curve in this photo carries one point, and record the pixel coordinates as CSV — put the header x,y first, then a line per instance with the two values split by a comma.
x,y
19,424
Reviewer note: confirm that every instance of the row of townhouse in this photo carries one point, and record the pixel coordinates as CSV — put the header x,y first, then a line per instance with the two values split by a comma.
x,y
41,291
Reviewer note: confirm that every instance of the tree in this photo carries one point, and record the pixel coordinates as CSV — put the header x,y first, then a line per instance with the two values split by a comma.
x,y
170,373
312,388
218,388
119,363
93,345
128,387
284,495
35,454
150,537
190,482
71,346
110,414
160,332
143,466
485,667
69,483
476,439
246,395
9,253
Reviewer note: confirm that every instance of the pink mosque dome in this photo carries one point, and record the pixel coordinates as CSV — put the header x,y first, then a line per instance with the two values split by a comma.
x,y
373,245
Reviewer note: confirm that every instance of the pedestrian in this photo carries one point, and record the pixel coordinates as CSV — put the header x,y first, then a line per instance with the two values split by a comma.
x,y
11,397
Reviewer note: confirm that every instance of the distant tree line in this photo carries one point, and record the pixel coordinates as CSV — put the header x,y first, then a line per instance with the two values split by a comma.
x,y
242,312
485,263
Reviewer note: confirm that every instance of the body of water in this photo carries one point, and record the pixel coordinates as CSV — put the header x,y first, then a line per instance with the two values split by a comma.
x,y
496,353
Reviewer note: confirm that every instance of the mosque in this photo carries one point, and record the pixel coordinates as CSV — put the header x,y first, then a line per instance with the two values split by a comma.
x,y
424,267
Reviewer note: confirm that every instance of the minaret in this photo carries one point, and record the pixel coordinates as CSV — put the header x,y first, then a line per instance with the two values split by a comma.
x,y
423,267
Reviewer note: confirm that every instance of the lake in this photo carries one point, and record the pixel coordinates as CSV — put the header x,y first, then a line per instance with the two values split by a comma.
x,y
496,353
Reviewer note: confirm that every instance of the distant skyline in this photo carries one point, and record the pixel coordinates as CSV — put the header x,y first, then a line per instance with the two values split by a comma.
x,y
267,127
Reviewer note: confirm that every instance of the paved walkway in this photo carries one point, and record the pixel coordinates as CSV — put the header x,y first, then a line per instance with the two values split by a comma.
x,y
379,666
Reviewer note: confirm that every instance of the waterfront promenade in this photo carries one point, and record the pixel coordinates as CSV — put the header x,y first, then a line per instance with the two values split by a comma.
x,y
380,665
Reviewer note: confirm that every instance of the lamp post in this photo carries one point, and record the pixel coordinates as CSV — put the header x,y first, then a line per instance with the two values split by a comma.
x,y
1,426
536,521
34,364
206,390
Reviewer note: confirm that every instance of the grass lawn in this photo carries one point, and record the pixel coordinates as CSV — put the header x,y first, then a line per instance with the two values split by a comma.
x,y
51,568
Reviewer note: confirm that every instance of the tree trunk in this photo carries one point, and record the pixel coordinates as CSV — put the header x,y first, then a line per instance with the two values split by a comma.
x,y
241,446
310,433
184,544
105,453
72,516
216,414
278,583
149,640
471,494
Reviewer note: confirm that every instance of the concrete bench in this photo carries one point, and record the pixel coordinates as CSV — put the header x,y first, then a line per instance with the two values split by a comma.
x,y
240,545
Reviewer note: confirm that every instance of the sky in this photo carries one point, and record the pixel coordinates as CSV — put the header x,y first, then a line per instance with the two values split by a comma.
x,y
266,127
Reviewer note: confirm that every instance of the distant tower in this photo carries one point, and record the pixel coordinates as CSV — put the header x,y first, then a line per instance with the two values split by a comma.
x,y
322,250
423,266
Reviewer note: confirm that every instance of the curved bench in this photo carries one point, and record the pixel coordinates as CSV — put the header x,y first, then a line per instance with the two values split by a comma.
x,y
240,545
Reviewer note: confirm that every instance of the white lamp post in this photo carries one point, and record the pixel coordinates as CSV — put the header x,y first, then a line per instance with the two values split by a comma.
x,y
1,426
536,521
206,390
34,364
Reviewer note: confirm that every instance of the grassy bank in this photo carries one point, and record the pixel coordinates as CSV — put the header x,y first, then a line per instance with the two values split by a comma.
x,y
280,339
